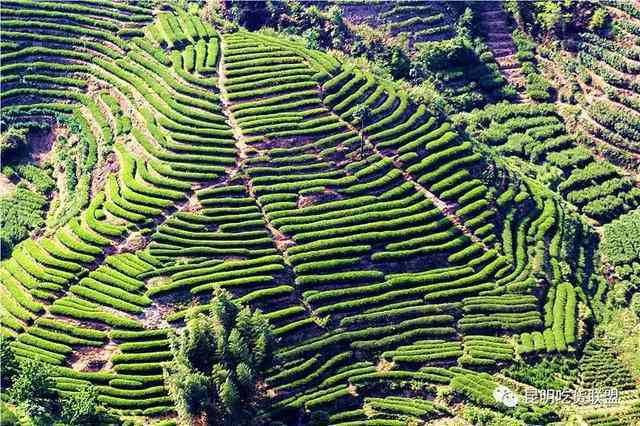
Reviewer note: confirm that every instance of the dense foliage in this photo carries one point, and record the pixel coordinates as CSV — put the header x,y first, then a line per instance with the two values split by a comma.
x,y
13,139
32,390
557,19
8,363
547,374
20,213
217,362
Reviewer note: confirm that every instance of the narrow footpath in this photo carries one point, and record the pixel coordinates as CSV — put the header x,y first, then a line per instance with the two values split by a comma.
x,y
495,25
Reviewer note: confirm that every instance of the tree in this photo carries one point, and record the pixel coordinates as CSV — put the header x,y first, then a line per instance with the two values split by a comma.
x,y
13,139
337,28
81,407
440,55
399,64
312,38
8,364
218,360
362,115
7,416
549,15
635,304
599,20
250,14
319,418
33,389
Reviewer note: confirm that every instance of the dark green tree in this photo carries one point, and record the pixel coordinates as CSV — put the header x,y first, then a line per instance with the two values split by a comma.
x,y
13,139
319,418
399,64
81,408
218,360
439,55
8,364
251,14
362,115
32,389
312,38
336,26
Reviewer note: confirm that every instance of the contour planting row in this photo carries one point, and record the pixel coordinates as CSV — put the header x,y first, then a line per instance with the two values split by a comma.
x,y
546,247
144,59
271,89
600,366
615,416
537,133
426,352
559,320
338,398
142,77
485,351
429,152
135,387
107,295
304,185
525,321
601,80
337,204
136,383
118,19
512,313
44,268
58,70
179,136
390,410
621,249
228,246
609,64
422,21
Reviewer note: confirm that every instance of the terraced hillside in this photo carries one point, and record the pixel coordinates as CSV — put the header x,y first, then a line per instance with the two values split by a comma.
x,y
603,73
470,79
400,265
537,133
420,21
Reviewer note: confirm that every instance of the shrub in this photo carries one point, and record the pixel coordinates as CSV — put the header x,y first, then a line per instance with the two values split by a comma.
x,y
9,364
21,213
81,407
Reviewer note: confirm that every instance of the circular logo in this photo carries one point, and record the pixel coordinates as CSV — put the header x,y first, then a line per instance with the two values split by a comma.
x,y
504,395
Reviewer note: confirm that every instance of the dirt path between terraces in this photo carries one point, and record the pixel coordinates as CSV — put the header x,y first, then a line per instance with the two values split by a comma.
x,y
494,21
447,209
282,242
